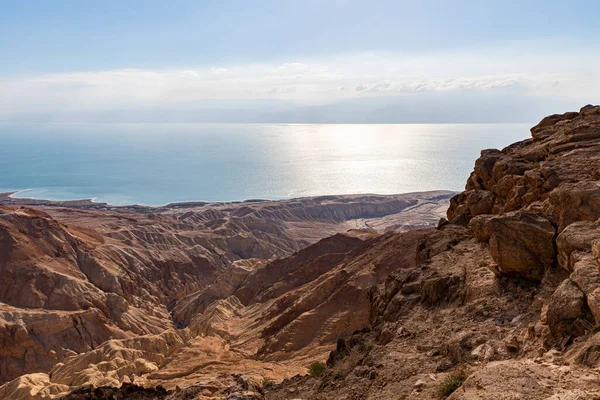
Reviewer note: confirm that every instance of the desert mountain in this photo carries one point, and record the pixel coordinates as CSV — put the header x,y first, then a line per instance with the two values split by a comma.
x,y
101,295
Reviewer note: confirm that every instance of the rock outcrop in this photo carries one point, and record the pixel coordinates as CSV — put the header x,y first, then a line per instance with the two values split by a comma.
x,y
503,301
521,243
545,204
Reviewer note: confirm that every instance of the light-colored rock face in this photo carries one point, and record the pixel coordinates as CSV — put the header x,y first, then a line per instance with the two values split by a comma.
x,y
31,387
103,296
575,241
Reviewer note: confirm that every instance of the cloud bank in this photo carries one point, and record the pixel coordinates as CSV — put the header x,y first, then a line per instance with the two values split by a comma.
x,y
316,90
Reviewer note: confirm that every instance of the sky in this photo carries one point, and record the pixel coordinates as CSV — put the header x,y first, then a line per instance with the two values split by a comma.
x,y
297,60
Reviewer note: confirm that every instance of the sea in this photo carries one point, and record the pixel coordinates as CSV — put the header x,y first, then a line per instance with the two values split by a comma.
x,y
155,164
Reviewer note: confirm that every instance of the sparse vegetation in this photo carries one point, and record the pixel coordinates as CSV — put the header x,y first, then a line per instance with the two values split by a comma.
x,y
451,383
316,369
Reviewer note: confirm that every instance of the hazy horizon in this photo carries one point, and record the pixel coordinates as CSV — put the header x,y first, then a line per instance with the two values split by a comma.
x,y
339,61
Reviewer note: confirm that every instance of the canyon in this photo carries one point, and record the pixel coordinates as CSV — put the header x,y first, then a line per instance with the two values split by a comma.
x,y
491,293
98,295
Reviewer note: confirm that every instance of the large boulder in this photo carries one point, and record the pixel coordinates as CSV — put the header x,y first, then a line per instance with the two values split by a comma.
x,y
470,204
568,314
575,202
587,278
562,157
521,243
574,240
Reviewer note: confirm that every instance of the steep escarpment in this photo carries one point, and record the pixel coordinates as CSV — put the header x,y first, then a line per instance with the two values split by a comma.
x,y
503,301
543,203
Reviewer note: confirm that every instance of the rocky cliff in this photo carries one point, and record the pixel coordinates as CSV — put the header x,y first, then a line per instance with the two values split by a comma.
x,y
503,301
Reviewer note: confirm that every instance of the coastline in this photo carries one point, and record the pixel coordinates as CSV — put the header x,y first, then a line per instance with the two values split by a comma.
x,y
6,198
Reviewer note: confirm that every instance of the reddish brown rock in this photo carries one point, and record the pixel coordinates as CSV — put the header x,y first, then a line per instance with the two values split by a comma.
x,y
94,273
559,163
521,243
574,240
568,314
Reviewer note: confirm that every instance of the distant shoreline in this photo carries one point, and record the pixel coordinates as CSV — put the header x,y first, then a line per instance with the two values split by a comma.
x,y
6,198
153,166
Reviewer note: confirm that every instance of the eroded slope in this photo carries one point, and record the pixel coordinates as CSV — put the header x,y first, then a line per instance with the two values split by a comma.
x,y
78,276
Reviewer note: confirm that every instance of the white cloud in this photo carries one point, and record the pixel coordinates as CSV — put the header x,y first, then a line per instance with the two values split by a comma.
x,y
479,83
311,81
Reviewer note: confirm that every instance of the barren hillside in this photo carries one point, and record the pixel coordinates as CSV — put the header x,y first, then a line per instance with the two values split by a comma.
x,y
82,281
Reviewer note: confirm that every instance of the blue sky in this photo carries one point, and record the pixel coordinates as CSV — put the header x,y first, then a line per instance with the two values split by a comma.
x,y
78,59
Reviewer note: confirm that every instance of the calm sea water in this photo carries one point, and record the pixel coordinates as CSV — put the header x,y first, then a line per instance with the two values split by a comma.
x,y
156,164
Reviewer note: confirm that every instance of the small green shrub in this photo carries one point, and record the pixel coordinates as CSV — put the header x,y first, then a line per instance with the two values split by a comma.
x,y
316,369
451,383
